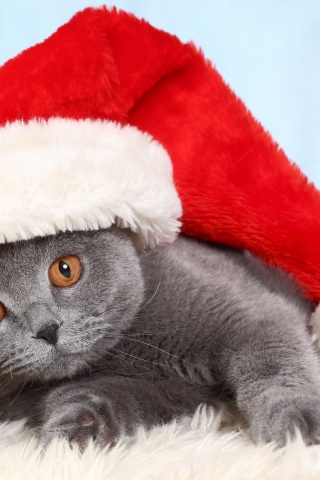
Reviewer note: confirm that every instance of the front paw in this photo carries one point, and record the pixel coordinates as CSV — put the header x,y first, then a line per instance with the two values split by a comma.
x,y
280,412
78,414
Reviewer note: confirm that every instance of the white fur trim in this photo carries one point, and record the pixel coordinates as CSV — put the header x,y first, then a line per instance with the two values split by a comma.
x,y
85,175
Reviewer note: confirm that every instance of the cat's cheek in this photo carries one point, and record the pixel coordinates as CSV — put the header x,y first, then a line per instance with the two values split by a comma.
x,y
11,339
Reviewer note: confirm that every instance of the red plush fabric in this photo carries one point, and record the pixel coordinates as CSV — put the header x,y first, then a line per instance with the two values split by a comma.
x,y
71,74
237,187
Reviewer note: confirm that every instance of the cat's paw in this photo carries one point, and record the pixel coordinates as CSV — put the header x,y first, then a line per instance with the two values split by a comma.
x,y
78,415
281,412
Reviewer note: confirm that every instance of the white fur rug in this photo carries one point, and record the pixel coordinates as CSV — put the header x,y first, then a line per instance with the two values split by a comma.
x,y
203,447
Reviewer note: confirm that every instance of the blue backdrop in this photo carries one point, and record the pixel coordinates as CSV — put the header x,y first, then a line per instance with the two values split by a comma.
x,y
267,50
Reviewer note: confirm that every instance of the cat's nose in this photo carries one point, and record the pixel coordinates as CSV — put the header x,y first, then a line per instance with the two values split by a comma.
x,y
49,333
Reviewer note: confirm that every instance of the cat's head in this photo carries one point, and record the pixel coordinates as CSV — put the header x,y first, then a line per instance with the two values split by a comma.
x,y
64,301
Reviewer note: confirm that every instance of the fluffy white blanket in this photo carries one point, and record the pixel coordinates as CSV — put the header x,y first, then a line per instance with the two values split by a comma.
x,y
207,446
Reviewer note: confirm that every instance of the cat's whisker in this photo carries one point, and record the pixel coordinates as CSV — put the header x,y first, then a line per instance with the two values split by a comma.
x,y
149,301
6,384
154,313
12,361
146,334
107,363
31,385
163,351
4,363
9,367
141,359
15,367
12,371
23,385
128,337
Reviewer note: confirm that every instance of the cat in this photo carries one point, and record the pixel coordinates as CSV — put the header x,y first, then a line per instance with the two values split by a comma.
x,y
97,338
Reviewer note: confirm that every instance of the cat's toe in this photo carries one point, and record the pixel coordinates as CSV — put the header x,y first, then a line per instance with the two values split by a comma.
x,y
90,427
87,420
279,418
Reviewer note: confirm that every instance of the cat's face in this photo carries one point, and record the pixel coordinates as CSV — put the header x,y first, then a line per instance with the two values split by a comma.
x,y
75,324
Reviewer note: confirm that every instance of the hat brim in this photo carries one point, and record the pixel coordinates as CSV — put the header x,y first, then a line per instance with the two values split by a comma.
x,y
68,175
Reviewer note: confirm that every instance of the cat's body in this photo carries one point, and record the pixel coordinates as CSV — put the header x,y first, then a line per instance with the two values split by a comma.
x,y
143,338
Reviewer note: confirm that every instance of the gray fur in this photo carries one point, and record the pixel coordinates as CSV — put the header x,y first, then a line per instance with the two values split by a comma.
x,y
145,337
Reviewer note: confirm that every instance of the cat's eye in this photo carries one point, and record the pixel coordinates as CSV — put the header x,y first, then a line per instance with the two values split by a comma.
x,y
2,311
65,271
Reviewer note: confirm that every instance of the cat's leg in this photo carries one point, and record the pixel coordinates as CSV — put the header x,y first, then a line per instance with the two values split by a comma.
x,y
273,370
103,408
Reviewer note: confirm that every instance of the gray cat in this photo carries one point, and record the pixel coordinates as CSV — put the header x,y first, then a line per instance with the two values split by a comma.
x,y
96,338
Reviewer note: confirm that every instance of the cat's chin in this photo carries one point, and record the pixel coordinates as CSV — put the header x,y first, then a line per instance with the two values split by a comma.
x,y
57,365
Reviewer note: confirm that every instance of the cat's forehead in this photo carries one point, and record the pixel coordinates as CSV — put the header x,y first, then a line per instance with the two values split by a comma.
x,y
28,254
43,246
27,251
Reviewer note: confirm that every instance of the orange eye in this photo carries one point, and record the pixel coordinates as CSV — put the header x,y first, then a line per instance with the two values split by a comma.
x,y
2,311
65,271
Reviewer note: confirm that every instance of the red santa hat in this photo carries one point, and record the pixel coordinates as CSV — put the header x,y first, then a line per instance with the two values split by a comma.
x,y
92,122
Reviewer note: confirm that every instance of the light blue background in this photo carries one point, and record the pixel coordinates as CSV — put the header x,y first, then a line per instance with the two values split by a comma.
x,y
267,50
